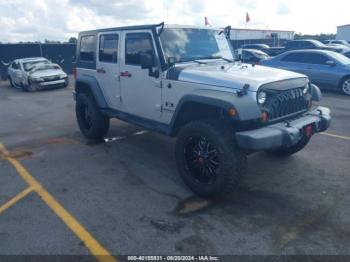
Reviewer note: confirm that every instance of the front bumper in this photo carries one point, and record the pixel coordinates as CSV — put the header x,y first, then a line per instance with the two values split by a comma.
x,y
287,133
50,84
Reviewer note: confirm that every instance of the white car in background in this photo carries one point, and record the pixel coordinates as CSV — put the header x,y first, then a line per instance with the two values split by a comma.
x,y
31,74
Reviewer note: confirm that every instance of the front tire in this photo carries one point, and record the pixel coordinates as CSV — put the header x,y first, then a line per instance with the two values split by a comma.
x,y
345,86
92,122
27,87
208,160
288,151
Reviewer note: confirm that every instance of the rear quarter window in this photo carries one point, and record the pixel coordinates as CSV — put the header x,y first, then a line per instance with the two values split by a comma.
x,y
87,48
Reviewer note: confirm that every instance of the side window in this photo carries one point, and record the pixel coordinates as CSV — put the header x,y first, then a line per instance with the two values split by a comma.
x,y
294,57
135,44
15,65
307,45
318,59
247,56
109,48
292,44
87,48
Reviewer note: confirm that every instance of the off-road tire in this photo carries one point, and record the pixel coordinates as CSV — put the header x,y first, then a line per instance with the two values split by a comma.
x,y
345,86
288,151
92,122
28,87
232,161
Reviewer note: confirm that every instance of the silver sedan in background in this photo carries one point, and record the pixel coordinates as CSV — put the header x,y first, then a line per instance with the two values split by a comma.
x,y
31,74
326,69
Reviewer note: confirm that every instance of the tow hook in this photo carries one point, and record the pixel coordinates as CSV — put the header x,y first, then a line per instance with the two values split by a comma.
x,y
287,123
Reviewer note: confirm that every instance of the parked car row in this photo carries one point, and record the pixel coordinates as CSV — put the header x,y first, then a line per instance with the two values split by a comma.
x,y
300,44
326,64
325,68
30,74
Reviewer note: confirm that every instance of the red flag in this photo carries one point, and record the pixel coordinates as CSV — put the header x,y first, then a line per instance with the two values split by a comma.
x,y
206,21
247,18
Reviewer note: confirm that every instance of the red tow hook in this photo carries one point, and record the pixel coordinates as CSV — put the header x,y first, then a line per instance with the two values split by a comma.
x,y
309,130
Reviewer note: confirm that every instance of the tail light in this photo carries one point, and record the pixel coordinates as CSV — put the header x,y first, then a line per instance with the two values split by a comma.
x,y
74,71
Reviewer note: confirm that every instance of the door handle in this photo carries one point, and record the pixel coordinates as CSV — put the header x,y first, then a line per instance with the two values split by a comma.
x,y
125,74
101,70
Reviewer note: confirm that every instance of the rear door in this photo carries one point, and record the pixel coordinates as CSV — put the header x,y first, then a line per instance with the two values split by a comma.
x,y
141,92
107,67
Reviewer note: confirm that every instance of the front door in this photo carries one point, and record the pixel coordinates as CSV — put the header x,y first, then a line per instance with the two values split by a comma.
x,y
108,68
15,73
141,92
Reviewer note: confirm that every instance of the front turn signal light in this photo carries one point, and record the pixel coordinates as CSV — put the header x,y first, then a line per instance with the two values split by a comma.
x,y
232,112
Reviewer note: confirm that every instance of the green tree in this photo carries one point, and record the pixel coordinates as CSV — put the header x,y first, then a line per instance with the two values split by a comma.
x,y
72,40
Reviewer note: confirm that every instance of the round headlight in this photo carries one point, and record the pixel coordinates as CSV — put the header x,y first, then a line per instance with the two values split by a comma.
x,y
306,89
262,96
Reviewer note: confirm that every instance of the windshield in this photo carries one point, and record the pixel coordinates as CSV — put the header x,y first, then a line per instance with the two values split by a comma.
x,y
186,44
341,58
261,55
45,67
318,43
29,65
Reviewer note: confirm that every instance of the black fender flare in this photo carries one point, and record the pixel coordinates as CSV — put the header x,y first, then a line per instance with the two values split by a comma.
x,y
245,106
316,94
94,88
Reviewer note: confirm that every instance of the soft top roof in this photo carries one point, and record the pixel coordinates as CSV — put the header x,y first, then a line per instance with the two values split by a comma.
x,y
142,27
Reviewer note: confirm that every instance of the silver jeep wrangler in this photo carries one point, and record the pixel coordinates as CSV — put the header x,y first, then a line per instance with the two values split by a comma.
x,y
184,82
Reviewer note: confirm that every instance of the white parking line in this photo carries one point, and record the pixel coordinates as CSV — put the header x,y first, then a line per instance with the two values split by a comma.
x,y
118,138
140,133
336,136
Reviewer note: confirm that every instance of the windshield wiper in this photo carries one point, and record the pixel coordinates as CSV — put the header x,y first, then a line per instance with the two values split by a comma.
x,y
212,57
227,60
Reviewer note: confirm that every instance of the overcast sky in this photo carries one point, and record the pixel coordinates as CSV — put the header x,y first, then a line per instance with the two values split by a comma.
x,y
37,20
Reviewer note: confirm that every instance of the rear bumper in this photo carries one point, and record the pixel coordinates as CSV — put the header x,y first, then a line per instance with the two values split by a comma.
x,y
284,133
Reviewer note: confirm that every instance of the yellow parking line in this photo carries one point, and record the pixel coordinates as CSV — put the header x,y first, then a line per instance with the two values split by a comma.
x,y
332,135
90,242
14,200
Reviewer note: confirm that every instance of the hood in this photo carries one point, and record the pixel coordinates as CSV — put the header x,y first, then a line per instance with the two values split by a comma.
x,y
230,75
47,72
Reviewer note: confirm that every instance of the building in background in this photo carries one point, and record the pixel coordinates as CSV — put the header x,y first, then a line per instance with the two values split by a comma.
x,y
343,32
241,36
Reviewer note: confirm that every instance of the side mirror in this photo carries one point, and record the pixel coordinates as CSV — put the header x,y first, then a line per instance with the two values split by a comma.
x,y
171,61
331,63
146,60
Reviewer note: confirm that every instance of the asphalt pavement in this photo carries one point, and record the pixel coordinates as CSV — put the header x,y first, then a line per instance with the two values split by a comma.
x,y
63,195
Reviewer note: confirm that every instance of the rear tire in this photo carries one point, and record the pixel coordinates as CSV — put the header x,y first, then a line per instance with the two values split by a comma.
x,y
208,159
11,83
288,151
92,122
345,86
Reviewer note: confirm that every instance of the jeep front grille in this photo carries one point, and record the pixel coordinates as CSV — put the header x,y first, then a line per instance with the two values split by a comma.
x,y
284,103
